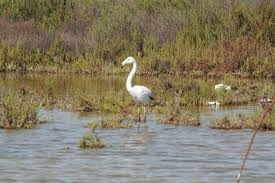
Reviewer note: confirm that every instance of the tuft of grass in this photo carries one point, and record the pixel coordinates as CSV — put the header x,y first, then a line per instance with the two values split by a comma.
x,y
250,121
241,121
86,104
175,117
18,111
91,139
225,123
113,121
109,102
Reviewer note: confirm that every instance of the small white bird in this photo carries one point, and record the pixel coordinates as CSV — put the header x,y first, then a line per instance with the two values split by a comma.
x,y
141,94
216,103
222,86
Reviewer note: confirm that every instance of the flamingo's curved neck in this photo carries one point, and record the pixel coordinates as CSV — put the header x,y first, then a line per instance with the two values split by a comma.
x,y
130,77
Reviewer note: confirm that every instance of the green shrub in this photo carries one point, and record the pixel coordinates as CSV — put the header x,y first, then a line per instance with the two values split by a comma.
x,y
18,111
172,37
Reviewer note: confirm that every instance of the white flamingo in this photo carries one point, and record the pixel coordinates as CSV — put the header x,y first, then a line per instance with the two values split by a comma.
x,y
141,94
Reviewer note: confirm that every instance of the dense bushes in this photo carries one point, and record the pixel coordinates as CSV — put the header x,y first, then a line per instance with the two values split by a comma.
x,y
177,36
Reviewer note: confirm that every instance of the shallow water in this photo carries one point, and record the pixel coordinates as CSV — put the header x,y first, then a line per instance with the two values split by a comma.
x,y
160,153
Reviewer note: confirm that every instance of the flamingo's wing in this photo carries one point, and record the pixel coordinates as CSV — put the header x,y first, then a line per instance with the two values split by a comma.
x,y
144,92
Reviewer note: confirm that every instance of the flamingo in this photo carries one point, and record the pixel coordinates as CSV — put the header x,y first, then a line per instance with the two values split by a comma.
x,y
141,94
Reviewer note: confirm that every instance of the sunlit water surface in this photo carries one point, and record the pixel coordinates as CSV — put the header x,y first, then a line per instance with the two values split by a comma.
x,y
160,153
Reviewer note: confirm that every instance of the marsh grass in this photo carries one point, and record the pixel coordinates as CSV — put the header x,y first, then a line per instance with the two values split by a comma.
x,y
113,121
199,91
86,104
171,92
226,124
108,102
177,117
179,37
18,111
91,139
48,99
243,121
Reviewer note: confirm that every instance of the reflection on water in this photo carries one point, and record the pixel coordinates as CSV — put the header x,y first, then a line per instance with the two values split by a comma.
x,y
62,84
160,153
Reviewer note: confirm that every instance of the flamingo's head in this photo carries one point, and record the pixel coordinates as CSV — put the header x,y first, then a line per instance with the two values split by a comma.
x,y
128,60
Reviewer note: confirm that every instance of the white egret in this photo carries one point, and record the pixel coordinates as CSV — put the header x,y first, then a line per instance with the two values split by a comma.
x,y
222,86
141,94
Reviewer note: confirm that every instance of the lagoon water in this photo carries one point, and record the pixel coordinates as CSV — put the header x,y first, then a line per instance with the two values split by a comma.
x,y
160,153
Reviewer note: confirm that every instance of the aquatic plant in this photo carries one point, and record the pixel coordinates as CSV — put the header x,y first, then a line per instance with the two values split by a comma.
x,y
173,93
243,121
250,121
113,121
18,110
91,139
176,117
85,104
225,123
109,102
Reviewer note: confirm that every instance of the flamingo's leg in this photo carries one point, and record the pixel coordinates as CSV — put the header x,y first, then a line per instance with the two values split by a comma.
x,y
139,114
144,109
138,119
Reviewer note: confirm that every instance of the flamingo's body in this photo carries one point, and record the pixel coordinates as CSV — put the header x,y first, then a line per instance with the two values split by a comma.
x,y
141,94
